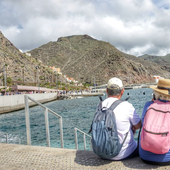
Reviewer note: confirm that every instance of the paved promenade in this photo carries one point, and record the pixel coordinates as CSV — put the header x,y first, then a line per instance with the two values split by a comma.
x,y
23,157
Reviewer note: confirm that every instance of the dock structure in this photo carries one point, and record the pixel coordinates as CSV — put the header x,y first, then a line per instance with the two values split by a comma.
x,y
25,157
79,95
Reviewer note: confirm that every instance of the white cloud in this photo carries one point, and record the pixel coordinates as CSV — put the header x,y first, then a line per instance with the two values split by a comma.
x,y
134,26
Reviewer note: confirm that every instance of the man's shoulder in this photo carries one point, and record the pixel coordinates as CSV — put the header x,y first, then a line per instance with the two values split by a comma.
x,y
127,104
108,102
123,104
126,107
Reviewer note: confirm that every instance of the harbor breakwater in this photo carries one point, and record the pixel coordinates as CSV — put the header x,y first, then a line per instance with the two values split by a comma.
x,y
15,102
9,103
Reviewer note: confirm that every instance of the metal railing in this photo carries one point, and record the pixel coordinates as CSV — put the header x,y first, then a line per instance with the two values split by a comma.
x,y
27,117
84,138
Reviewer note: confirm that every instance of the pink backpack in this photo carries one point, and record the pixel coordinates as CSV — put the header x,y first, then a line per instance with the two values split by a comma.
x,y
155,136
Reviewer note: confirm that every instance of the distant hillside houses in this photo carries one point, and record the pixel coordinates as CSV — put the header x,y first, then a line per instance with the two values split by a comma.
x,y
57,70
68,79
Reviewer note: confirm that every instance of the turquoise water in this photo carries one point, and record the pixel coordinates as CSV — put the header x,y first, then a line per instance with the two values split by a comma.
x,y
76,113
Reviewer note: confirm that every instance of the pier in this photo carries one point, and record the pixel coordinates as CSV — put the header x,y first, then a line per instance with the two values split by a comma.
x,y
24,157
9,103
16,102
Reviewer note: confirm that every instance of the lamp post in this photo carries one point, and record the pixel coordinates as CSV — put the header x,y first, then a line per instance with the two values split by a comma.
x,y
79,81
23,75
4,77
56,79
38,79
95,83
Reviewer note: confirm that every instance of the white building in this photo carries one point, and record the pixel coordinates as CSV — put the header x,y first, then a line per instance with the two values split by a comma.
x,y
157,78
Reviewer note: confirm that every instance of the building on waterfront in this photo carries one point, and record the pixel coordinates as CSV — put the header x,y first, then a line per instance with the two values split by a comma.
x,y
101,88
157,78
31,89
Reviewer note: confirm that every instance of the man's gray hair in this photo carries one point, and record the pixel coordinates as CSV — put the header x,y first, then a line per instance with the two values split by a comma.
x,y
114,91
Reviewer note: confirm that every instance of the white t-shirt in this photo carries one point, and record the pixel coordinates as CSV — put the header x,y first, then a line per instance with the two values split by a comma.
x,y
126,116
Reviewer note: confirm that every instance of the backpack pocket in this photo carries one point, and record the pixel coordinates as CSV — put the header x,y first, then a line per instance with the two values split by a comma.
x,y
104,145
113,146
99,137
155,139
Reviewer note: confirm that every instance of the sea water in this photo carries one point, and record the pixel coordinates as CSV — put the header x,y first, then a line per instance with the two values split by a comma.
x,y
75,113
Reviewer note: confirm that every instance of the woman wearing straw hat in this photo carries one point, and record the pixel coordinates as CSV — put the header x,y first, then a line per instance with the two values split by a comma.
x,y
154,147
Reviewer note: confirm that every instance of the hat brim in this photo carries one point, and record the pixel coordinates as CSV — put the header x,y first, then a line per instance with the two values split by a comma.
x,y
163,91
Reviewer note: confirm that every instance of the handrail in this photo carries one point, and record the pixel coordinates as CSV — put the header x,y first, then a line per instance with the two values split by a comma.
x,y
84,138
26,97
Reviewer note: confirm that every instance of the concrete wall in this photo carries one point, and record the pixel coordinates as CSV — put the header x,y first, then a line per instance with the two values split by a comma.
x,y
16,102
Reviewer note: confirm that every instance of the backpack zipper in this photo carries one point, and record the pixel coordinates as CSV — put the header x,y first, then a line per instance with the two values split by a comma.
x,y
163,133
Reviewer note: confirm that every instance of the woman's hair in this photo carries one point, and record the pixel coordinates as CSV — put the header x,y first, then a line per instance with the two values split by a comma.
x,y
161,96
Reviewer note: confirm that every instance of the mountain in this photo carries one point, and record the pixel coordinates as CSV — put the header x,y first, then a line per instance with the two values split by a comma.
x,y
167,57
20,67
163,61
79,56
88,59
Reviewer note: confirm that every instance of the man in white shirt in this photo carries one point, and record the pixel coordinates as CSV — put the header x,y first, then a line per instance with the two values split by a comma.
x,y
127,119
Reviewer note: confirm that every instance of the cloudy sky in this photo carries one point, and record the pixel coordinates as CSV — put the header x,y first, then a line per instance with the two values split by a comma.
x,y
136,27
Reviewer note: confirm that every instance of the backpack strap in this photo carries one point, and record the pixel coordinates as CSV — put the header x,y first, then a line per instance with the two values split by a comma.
x,y
112,107
139,135
115,104
99,107
125,138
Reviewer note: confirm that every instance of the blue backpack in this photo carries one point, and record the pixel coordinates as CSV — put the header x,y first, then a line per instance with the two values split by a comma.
x,y
105,141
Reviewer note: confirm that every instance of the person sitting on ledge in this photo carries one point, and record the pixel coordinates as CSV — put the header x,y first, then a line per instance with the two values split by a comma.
x,y
154,147
127,120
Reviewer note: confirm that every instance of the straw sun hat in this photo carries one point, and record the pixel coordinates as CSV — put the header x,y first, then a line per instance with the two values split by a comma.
x,y
163,86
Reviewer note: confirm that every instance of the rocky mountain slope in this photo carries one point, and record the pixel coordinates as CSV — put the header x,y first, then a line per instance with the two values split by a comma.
x,y
163,61
81,57
88,59
20,67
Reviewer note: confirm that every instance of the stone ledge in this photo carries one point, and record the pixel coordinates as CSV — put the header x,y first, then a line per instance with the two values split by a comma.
x,y
24,157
